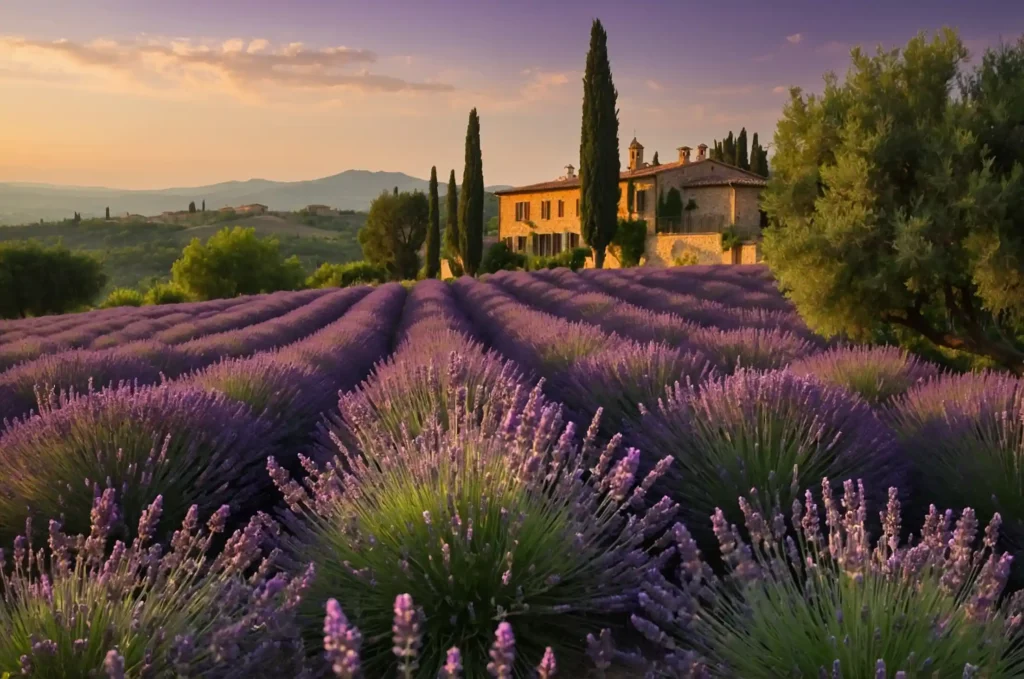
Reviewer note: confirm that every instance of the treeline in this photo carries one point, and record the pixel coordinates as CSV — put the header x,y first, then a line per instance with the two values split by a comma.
x,y
734,150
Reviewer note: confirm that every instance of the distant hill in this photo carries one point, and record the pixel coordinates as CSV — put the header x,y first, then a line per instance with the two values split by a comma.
x,y
23,203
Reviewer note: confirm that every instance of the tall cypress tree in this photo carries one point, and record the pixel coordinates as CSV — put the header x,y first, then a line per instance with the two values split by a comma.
x,y
654,161
742,158
471,200
599,149
451,228
729,149
433,229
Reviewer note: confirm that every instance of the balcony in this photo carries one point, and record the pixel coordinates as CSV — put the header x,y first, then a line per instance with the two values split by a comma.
x,y
691,223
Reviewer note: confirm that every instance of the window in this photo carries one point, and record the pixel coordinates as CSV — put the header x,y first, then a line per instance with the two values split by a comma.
x,y
521,244
577,207
641,201
556,245
545,209
545,244
508,242
523,211
561,208
574,240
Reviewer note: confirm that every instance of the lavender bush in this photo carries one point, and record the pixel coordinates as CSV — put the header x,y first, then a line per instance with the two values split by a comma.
x,y
69,370
876,373
620,381
829,604
140,612
751,347
477,528
964,437
774,432
191,445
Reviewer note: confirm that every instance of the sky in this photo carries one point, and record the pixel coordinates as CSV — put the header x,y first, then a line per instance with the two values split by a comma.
x,y
162,93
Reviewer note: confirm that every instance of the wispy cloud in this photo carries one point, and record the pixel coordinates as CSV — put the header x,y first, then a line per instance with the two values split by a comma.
x,y
236,66
780,89
795,38
654,85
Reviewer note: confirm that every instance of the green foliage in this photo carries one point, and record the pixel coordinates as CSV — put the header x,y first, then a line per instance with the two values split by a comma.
x,y
670,204
889,208
344,275
654,161
123,297
758,158
499,257
166,293
37,280
729,149
742,156
471,200
630,240
192,207
433,267
574,259
730,239
451,230
599,149
691,205
235,262
394,233
686,258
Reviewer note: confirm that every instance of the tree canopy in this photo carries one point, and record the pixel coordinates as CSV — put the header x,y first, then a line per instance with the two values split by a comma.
x,y
898,207
395,230
235,262
471,200
599,149
37,280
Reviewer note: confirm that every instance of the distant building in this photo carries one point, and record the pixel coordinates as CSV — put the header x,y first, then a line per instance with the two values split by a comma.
x,y
544,218
321,210
253,209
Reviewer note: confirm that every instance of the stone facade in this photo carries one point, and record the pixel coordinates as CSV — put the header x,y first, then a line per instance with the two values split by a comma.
x,y
723,196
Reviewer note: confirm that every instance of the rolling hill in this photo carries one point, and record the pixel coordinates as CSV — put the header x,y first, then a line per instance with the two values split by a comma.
x,y
22,203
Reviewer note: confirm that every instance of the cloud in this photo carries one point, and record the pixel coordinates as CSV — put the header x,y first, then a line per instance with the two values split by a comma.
x,y
795,38
780,89
654,85
230,66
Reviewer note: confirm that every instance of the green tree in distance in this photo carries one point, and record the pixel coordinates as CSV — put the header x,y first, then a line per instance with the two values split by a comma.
x,y
434,229
599,149
451,229
471,200
742,158
654,161
36,280
897,208
235,262
395,230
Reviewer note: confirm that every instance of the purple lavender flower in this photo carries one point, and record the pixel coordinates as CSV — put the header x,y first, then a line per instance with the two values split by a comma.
x,y
751,348
342,642
406,634
875,373
503,653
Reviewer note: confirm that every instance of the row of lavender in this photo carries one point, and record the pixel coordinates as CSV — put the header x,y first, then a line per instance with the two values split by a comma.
x,y
497,512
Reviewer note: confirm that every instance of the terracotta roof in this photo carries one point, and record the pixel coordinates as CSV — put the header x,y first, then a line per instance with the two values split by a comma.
x,y
750,179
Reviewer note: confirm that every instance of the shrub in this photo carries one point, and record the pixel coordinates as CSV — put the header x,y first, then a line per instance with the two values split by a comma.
x,y
167,293
476,527
169,360
964,436
574,259
621,380
730,240
74,370
751,347
499,257
290,394
843,608
686,258
235,262
403,397
188,444
630,240
37,280
774,432
123,297
344,275
141,612
876,373
19,351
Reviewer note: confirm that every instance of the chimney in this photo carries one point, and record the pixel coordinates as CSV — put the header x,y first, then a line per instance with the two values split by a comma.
x,y
702,151
684,154
570,171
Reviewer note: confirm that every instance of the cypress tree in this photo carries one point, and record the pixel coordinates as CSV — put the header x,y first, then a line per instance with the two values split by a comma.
x,y
396,190
471,200
204,206
599,149
729,149
433,230
742,157
108,213
654,161
451,229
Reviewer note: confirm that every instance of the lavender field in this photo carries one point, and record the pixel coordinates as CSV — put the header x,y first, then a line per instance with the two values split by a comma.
x,y
612,473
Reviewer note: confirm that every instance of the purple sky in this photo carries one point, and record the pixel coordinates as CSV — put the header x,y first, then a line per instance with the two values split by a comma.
x,y
101,110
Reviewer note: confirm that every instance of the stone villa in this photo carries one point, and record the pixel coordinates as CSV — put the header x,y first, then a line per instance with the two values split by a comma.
x,y
543,219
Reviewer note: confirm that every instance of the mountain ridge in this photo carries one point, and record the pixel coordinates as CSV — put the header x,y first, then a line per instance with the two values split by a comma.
x,y
26,202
